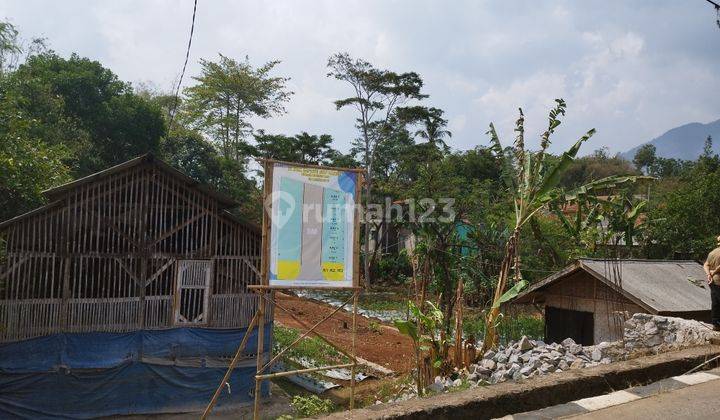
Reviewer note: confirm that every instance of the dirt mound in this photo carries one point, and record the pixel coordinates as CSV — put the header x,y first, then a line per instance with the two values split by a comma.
x,y
375,341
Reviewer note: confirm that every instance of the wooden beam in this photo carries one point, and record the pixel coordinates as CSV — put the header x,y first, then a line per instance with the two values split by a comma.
x,y
12,268
128,271
252,267
180,226
160,271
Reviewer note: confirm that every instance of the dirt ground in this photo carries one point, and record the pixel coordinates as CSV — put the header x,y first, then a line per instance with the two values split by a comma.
x,y
381,344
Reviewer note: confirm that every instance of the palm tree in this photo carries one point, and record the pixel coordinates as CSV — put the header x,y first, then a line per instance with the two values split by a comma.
x,y
434,129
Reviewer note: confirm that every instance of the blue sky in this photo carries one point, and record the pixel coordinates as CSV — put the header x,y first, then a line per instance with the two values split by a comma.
x,y
630,69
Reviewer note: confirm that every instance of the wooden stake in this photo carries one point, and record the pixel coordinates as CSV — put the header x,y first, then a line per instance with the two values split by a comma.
x,y
260,360
233,363
354,358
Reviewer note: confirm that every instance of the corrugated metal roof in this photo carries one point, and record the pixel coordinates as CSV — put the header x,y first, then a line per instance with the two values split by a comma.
x,y
660,285
665,286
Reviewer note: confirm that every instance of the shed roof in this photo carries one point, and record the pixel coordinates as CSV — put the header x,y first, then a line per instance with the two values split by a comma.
x,y
56,194
660,286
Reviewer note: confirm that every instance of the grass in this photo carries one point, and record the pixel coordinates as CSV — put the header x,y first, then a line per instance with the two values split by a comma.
x,y
511,327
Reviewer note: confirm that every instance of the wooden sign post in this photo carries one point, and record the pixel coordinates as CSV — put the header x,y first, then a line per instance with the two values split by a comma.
x,y
266,291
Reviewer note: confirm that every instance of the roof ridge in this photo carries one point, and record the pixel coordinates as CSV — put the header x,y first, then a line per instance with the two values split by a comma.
x,y
635,260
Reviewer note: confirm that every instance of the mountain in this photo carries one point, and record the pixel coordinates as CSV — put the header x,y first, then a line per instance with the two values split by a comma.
x,y
684,142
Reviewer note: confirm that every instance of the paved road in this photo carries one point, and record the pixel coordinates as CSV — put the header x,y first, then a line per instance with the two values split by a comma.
x,y
693,402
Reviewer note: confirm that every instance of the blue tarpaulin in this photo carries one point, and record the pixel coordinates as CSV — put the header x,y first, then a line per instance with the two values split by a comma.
x,y
84,375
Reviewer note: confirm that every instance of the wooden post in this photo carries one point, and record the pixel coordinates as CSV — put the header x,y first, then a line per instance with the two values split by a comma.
x,y
353,370
233,363
264,268
260,349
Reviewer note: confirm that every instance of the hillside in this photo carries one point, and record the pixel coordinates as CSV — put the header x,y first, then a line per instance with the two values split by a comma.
x,y
684,142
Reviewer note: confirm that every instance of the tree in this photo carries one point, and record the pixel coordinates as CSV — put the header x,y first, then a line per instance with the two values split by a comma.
x,y
433,128
96,116
228,94
302,148
27,167
9,47
645,156
376,96
685,221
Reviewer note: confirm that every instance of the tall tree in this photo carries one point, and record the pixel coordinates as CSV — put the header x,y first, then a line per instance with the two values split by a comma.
x,y
228,94
105,123
376,96
302,148
645,157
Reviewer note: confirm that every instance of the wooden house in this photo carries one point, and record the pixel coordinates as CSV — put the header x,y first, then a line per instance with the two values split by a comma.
x,y
139,247
590,300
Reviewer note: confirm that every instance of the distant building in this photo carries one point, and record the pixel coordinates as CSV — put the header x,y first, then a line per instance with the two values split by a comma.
x,y
590,300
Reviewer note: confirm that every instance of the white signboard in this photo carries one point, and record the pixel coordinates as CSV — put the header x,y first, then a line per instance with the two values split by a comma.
x,y
312,226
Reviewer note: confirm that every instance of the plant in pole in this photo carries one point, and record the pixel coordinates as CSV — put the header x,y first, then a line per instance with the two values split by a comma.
x,y
424,328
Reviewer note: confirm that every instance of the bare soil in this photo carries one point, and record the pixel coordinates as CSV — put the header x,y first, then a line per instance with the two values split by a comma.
x,y
381,344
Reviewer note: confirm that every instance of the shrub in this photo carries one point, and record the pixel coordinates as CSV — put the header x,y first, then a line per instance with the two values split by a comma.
x,y
311,405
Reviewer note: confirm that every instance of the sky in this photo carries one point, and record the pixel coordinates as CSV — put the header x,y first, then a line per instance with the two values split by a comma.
x,y
630,69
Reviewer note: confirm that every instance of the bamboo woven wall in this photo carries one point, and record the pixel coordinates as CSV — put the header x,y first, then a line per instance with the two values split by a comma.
x,y
104,257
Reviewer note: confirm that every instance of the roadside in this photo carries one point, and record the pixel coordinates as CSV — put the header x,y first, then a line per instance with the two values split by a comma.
x,y
685,396
543,391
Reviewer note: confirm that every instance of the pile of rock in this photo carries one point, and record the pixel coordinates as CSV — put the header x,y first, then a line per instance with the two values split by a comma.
x,y
661,333
526,358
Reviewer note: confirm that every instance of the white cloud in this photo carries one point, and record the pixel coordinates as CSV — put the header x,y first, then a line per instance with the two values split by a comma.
x,y
629,69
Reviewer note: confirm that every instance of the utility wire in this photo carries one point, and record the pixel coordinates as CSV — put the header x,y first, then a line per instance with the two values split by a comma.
x,y
717,11
182,74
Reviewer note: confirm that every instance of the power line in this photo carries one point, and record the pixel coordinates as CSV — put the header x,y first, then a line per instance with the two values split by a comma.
x,y
717,11
182,74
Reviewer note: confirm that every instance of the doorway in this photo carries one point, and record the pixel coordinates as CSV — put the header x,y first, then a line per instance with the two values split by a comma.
x,y
192,292
565,323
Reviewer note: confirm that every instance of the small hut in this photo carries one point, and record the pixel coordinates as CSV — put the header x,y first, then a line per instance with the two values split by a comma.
x,y
125,294
590,300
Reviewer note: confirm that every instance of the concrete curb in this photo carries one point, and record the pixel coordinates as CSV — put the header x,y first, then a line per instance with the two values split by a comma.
x,y
587,405
558,388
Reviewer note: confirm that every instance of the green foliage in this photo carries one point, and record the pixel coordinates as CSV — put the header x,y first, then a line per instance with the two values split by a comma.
x,y
227,95
95,115
311,405
430,323
374,327
645,156
687,220
595,166
310,347
510,327
394,269
511,293
301,148
27,167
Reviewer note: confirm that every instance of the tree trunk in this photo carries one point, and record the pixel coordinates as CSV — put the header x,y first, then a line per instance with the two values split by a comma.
x,y
491,337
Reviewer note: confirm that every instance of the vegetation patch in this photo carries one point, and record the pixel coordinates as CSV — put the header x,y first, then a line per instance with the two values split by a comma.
x,y
309,348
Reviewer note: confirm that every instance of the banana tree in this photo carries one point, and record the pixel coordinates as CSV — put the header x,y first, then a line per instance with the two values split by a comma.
x,y
617,214
532,178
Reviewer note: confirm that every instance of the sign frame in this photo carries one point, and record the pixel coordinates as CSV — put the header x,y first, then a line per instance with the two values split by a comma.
x,y
269,166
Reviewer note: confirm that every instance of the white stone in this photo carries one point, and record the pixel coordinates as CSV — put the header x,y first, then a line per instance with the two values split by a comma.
x,y
524,344
488,364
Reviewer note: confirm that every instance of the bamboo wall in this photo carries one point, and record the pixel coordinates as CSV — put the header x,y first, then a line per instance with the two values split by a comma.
x,y
104,257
